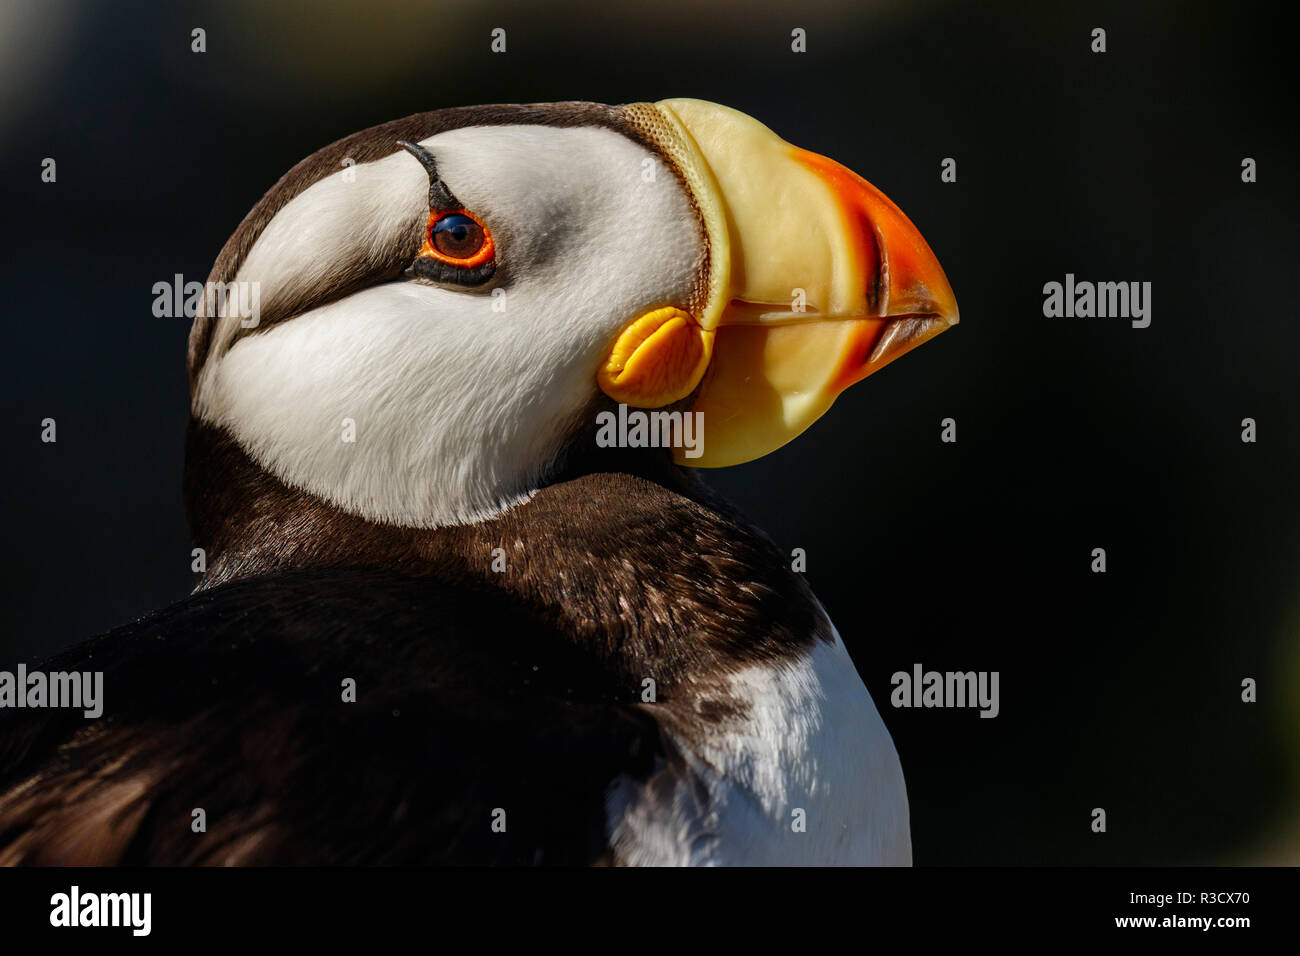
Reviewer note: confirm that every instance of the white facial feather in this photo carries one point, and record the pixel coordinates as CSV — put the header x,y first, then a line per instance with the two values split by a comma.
x,y
458,409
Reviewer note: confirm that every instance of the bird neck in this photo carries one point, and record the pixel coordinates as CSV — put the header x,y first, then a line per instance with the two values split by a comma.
x,y
640,562
248,522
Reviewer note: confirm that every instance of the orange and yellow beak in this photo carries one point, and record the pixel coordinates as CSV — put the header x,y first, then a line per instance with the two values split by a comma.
x,y
816,281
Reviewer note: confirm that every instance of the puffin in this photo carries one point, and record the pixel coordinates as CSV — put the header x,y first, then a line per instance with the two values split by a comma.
x,y
440,620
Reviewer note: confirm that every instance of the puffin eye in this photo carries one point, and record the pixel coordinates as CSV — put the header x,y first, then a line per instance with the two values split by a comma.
x,y
457,236
457,249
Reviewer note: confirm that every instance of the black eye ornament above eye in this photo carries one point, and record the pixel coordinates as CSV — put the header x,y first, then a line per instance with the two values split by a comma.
x,y
458,247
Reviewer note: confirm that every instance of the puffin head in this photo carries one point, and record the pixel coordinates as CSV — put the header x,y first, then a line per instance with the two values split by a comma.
x,y
446,300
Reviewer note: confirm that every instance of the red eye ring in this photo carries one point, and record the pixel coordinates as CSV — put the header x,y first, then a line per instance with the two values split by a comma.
x,y
458,238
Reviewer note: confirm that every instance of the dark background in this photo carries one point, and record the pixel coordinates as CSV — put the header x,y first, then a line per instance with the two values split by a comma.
x,y
1119,690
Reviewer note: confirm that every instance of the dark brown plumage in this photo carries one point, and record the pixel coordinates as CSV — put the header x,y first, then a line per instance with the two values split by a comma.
x,y
231,700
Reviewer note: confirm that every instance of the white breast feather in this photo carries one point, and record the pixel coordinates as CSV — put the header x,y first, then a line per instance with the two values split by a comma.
x,y
812,740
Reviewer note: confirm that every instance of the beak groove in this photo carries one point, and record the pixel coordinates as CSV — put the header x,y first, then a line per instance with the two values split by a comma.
x,y
905,332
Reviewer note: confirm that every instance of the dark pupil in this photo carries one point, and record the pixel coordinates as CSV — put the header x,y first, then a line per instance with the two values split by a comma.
x,y
457,236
